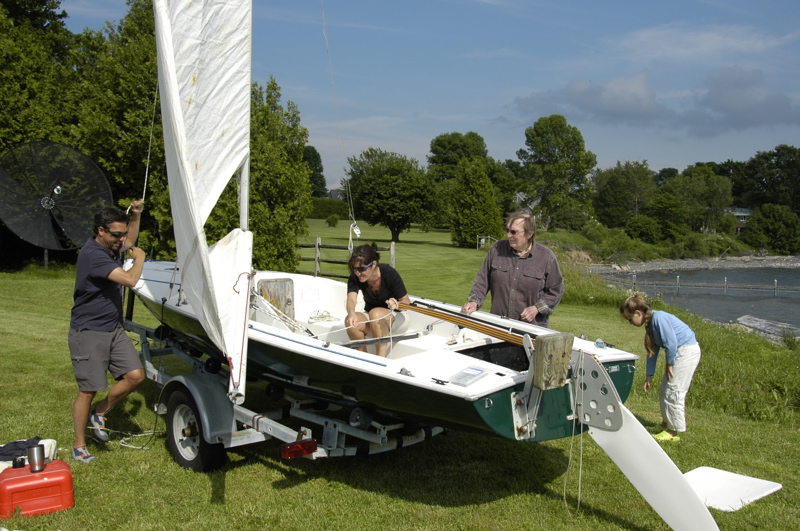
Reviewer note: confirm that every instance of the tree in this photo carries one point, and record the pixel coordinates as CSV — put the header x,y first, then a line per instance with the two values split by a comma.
x,y
475,212
40,14
774,177
735,171
665,175
557,166
118,121
34,73
707,195
644,228
99,96
506,185
671,213
319,188
448,149
775,227
622,192
280,192
388,189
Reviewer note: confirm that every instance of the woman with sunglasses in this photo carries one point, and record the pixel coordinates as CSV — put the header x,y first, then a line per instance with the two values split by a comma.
x,y
523,275
383,289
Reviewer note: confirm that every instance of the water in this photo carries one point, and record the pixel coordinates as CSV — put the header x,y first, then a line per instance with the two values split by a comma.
x,y
714,302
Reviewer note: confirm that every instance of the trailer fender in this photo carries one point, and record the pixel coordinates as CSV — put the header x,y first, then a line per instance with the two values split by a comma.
x,y
215,410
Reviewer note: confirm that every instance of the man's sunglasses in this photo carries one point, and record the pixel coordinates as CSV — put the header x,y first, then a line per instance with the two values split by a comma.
x,y
363,268
513,232
115,233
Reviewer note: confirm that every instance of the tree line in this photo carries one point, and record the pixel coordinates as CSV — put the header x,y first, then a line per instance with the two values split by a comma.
x,y
556,178
97,91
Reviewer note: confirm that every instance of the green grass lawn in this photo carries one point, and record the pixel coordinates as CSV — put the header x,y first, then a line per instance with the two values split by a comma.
x,y
742,415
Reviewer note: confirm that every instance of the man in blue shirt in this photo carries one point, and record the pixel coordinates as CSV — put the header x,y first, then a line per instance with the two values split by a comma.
x,y
97,339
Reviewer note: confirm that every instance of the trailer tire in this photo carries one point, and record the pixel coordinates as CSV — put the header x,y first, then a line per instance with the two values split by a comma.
x,y
185,435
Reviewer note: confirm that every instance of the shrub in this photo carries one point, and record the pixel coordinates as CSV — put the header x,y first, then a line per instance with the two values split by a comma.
x,y
324,207
644,228
332,220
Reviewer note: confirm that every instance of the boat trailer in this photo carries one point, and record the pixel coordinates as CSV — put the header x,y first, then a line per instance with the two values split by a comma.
x,y
202,422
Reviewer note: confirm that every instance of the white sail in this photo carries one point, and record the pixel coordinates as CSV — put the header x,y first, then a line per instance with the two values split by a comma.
x,y
204,51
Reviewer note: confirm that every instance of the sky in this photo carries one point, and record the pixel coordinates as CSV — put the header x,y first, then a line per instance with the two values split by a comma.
x,y
670,83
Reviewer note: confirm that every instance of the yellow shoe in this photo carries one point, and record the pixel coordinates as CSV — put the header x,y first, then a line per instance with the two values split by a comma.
x,y
666,436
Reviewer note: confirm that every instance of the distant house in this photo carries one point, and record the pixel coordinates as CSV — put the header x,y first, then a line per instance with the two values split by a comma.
x,y
336,194
742,215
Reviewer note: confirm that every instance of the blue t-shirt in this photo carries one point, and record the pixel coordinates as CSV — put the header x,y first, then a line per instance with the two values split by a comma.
x,y
668,332
98,300
391,287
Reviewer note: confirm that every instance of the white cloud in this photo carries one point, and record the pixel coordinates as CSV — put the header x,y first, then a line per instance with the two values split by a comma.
x,y
622,99
628,100
679,42
729,99
738,99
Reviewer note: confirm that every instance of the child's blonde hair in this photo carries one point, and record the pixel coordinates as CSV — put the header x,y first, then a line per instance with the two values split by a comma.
x,y
636,303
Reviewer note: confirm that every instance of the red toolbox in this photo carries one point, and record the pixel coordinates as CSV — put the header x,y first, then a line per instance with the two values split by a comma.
x,y
36,492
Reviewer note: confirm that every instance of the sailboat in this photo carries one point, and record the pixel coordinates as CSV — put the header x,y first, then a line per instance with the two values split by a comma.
x,y
480,372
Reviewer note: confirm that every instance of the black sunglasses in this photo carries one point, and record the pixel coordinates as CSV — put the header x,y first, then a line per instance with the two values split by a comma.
x,y
513,232
363,268
116,234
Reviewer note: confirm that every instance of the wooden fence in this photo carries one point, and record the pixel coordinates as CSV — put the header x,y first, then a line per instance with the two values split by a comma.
x,y
318,259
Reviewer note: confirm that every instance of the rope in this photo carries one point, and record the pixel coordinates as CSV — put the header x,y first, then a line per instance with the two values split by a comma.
x,y
285,319
149,147
579,370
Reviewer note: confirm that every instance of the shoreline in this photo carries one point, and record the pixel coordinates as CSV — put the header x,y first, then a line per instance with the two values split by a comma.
x,y
765,329
730,262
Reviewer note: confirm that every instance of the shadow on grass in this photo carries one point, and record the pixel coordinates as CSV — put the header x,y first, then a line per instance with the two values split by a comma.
x,y
457,469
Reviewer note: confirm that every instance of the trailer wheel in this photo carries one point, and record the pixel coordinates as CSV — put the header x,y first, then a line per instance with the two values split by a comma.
x,y
185,436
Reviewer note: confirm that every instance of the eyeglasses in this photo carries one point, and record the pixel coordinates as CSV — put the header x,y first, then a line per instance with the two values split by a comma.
x,y
514,232
116,234
363,268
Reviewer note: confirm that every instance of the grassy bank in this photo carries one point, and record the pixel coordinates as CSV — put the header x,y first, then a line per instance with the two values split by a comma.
x,y
742,414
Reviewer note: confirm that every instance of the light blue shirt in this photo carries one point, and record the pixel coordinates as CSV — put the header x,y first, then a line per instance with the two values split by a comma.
x,y
668,332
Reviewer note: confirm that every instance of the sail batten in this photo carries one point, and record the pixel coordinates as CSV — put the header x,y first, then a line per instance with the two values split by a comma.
x,y
204,58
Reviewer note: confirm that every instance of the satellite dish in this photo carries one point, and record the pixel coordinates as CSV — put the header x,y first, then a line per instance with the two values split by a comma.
x,y
49,193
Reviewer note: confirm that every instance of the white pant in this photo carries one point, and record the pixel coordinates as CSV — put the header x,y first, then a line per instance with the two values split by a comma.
x,y
672,393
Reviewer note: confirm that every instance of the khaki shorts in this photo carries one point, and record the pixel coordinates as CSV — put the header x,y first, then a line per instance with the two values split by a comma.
x,y
93,353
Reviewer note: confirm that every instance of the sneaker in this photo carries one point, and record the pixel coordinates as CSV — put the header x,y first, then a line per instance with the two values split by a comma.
x,y
666,436
99,425
82,454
